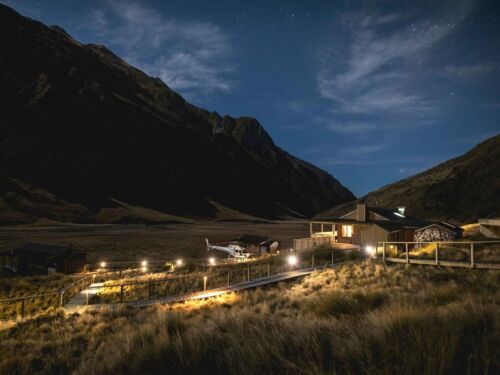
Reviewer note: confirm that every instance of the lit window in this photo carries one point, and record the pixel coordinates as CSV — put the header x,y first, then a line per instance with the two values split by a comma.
x,y
346,230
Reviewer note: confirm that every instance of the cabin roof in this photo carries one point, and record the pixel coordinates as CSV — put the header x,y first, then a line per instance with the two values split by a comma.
x,y
253,239
41,250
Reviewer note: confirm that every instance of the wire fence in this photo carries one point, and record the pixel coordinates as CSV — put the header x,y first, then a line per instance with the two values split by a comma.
x,y
198,277
212,278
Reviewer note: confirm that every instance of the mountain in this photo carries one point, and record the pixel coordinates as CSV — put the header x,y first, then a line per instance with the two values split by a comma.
x,y
460,190
87,129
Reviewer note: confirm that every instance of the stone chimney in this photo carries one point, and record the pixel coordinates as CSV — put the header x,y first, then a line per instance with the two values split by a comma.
x,y
361,211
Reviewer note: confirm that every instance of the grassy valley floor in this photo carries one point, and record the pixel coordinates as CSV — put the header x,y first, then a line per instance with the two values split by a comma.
x,y
361,318
154,242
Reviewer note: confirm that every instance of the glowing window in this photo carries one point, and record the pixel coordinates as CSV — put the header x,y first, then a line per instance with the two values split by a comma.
x,y
346,230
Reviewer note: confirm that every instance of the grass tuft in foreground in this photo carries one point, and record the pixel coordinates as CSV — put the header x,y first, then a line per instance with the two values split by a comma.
x,y
362,318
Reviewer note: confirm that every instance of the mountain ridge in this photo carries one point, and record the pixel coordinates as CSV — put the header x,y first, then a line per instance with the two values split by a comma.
x,y
462,189
82,124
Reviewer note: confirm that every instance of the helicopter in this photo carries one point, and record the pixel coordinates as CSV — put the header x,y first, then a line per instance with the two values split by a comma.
x,y
235,251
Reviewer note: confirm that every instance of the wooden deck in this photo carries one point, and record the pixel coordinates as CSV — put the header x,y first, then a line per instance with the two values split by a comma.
x,y
444,263
439,252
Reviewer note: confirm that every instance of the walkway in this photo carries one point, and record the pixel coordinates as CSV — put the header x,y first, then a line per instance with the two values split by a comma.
x,y
80,300
79,304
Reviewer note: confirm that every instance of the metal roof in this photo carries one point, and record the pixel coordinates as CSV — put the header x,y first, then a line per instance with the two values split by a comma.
x,y
41,250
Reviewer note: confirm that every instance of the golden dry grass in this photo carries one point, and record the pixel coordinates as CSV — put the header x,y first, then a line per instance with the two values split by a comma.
x,y
362,318
12,287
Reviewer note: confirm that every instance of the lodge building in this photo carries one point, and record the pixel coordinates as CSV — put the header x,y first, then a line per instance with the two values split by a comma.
x,y
365,226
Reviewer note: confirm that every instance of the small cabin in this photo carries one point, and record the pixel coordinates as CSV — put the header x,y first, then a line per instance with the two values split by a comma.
x,y
42,259
258,245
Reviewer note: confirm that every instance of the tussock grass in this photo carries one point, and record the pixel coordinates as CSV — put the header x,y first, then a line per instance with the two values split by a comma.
x,y
363,318
12,287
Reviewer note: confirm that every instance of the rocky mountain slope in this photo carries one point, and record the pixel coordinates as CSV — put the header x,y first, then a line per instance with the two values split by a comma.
x,y
460,190
83,126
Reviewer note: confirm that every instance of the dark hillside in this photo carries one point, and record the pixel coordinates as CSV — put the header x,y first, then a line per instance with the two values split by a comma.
x,y
82,124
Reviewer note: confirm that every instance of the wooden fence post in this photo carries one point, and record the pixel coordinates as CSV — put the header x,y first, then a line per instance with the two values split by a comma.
x,y
383,251
269,269
248,273
121,293
312,261
332,258
149,290
228,277
407,255
437,253
472,255
61,302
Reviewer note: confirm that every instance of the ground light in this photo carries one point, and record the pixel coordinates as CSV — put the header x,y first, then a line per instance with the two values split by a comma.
x,y
144,263
292,260
144,269
370,250
102,264
211,261
178,262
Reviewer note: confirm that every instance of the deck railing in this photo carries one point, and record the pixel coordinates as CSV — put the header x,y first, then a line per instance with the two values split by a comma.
x,y
466,254
221,274
215,277
18,308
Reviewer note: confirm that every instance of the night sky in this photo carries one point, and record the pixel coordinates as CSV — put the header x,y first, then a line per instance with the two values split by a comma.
x,y
370,91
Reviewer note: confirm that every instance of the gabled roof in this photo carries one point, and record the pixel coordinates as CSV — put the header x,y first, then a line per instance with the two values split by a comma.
x,y
47,251
390,214
386,213
393,221
389,226
253,239
447,226
45,248
395,225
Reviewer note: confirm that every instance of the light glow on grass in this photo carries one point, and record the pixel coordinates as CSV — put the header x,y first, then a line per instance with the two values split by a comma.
x,y
370,251
292,260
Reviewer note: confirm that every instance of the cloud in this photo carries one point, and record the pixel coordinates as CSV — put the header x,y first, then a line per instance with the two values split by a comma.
x,y
379,67
470,71
191,57
403,160
364,149
352,127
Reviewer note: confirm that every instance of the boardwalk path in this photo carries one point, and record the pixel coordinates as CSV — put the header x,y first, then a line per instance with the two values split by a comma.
x,y
80,300
78,303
